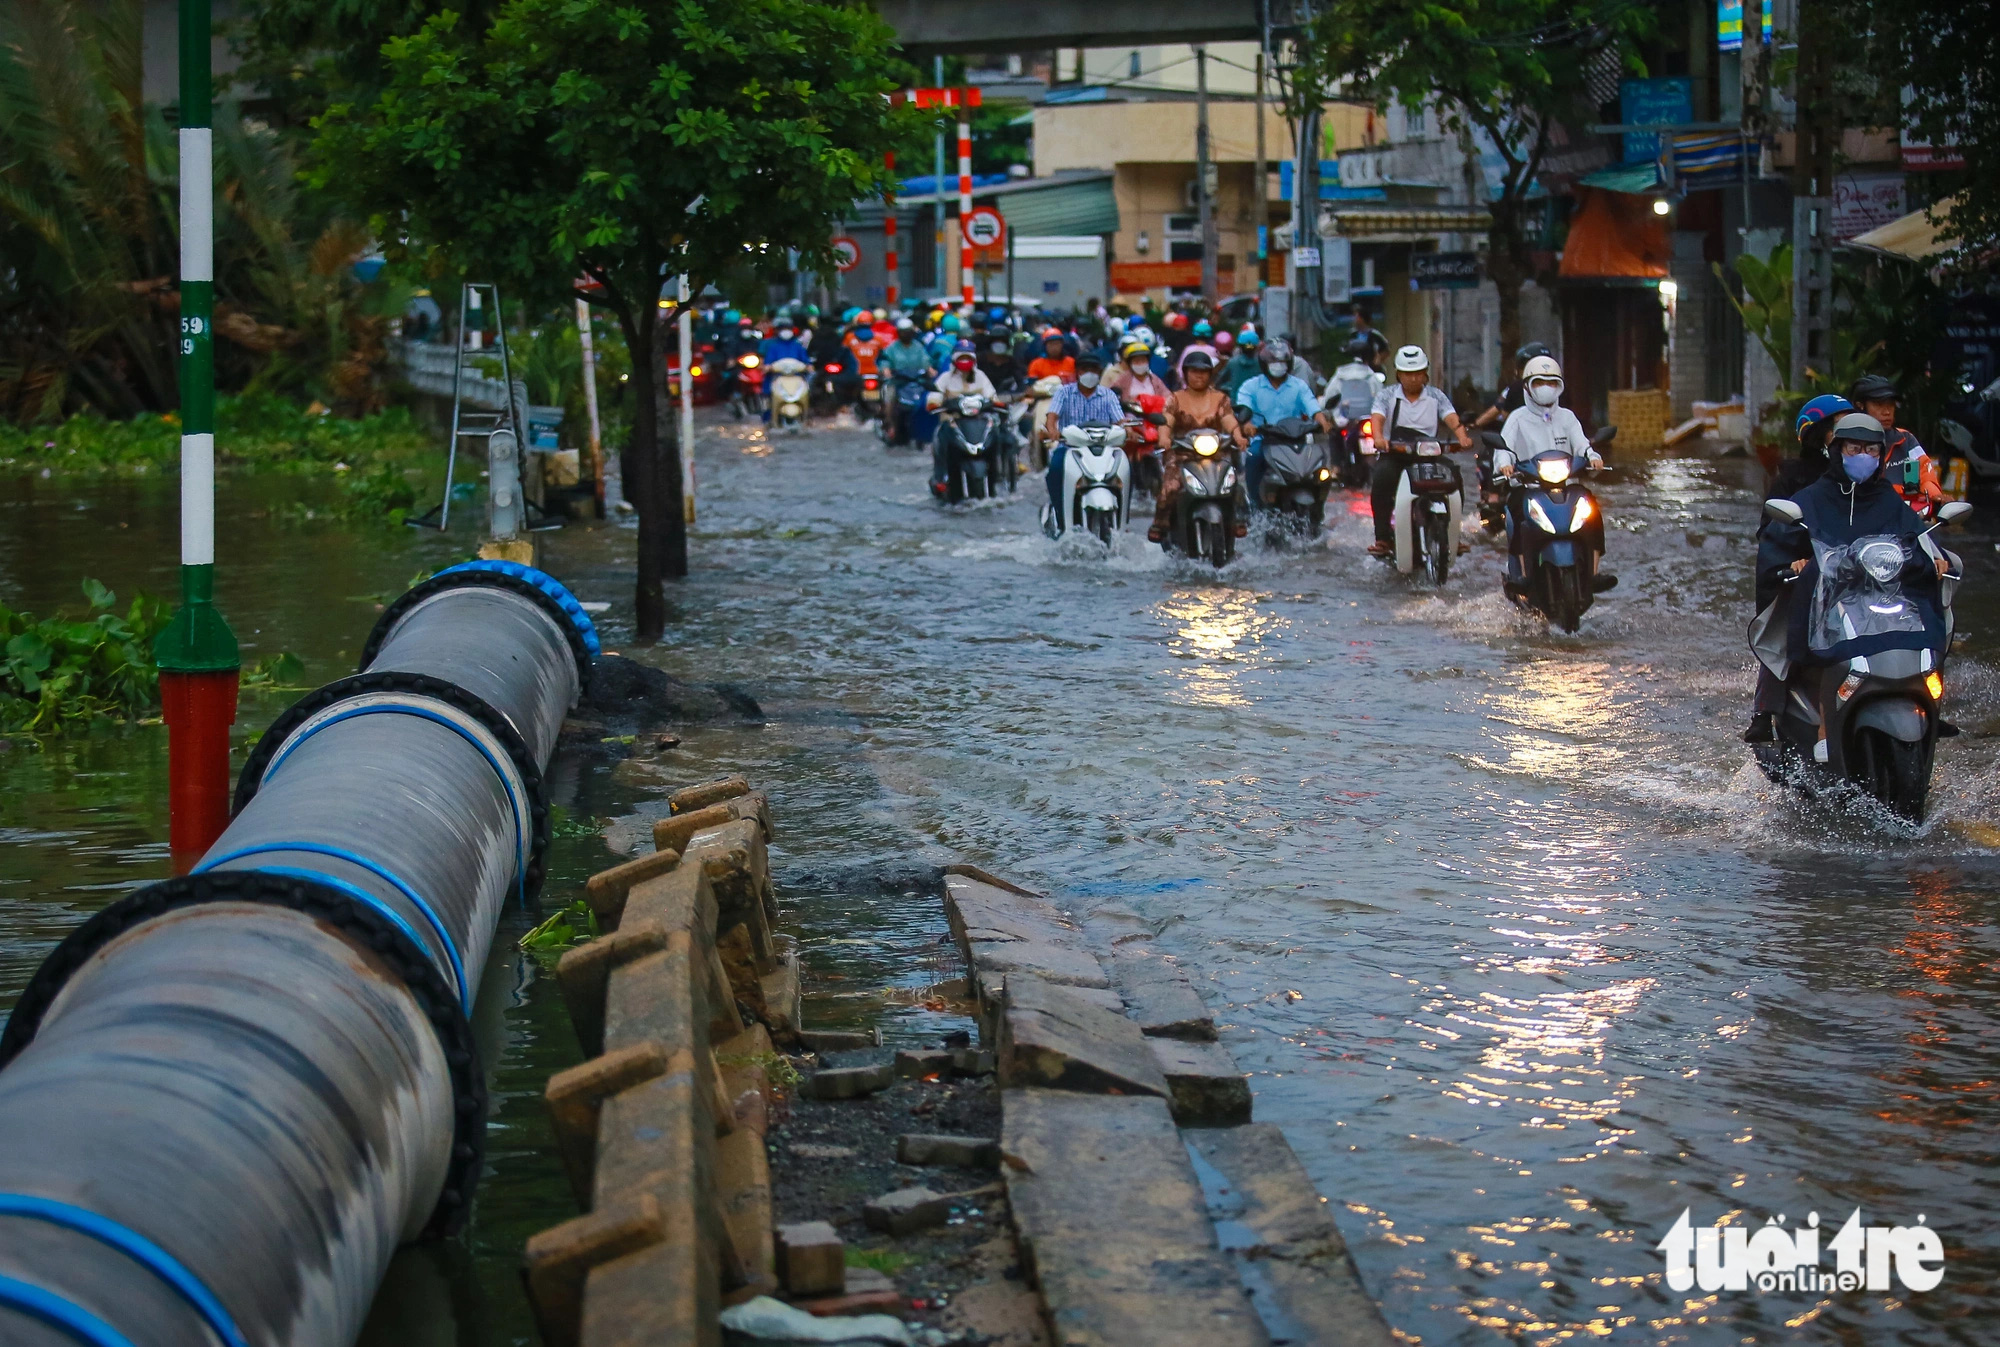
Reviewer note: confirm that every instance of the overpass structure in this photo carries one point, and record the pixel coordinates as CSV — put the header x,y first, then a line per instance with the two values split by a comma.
x,y
932,26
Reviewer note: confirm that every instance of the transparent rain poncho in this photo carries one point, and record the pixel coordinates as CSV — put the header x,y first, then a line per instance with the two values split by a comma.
x,y
1860,592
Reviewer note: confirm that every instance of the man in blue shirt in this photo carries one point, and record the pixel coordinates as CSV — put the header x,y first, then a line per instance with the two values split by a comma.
x,y
1083,403
1274,396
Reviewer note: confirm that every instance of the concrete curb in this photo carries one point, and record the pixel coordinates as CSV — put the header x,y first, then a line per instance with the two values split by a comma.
x,y
678,1005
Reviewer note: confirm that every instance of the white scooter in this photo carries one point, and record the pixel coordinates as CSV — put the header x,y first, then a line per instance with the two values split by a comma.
x,y
1428,496
790,388
1097,483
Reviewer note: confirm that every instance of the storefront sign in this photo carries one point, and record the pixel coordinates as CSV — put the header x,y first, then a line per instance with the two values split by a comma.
x,y
1864,203
1132,277
1445,271
1652,103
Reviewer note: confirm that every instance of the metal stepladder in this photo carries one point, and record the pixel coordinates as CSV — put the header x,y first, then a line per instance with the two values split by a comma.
x,y
504,432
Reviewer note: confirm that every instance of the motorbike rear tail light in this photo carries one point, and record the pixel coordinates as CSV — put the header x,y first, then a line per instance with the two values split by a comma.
x,y
1849,685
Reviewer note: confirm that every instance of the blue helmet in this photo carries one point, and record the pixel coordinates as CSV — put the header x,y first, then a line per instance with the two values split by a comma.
x,y
1821,409
964,348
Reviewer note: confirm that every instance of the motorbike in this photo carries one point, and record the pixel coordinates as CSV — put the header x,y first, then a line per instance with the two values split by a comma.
x,y
1043,396
911,420
1097,483
1558,536
1428,495
971,436
746,385
1142,445
834,384
791,389
1880,709
1350,399
1297,476
1203,524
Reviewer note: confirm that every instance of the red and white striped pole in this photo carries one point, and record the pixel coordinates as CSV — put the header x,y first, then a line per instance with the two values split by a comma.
x,y
889,258
964,98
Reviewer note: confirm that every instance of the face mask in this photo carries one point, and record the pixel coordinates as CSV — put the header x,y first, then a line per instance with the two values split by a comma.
x,y
1545,395
1860,467
1277,371
1140,366
1087,380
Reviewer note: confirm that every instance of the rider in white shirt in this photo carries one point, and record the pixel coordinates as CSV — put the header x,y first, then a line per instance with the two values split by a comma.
x,y
1542,423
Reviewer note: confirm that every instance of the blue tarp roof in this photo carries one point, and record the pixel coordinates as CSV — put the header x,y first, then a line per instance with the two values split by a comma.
x,y
927,184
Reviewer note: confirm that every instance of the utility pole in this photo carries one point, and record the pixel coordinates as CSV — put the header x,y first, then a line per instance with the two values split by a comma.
x,y
1205,176
196,654
937,181
583,337
685,334
1812,206
1305,235
1262,186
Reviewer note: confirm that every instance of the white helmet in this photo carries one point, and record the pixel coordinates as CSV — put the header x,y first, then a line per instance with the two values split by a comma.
x,y
1543,379
1410,359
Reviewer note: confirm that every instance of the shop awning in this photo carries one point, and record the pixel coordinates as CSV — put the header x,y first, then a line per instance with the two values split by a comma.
x,y
1615,236
1914,237
1373,221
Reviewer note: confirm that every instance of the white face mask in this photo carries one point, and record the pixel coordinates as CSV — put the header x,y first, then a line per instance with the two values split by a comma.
x,y
1276,370
1545,394
1087,380
1140,366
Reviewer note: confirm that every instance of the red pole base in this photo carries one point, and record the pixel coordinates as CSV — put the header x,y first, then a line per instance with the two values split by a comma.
x,y
199,709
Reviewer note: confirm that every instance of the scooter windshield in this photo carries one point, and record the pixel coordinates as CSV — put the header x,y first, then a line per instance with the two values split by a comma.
x,y
1860,592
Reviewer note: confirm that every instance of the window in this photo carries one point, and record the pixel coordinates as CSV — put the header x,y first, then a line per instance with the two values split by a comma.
x,y
1132,68
1413,122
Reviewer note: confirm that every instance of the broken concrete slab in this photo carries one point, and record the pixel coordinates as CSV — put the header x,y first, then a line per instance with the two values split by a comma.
x,y
868,1292
1294,1264
918,1148
1050,1037
915,1064
1159,995
981,910
811,1259
1113,1227
781,992
848,1082
906,1211
1207,1089
972,1061
691,798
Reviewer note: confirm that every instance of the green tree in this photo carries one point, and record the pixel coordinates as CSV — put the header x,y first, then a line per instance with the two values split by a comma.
x,y
626,144
1505,69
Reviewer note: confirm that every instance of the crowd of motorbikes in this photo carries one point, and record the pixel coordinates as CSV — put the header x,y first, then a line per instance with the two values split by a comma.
x,y
1853,703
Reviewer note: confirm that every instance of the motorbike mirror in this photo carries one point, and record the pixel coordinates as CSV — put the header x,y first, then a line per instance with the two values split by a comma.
x,y
1786,510
1604,436
1953,510
1493,439
1156,418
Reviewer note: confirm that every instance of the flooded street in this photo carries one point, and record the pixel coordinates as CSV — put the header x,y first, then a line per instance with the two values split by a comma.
x,y
1524,955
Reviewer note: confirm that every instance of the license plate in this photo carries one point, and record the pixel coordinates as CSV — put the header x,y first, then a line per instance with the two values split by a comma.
x,y
871,395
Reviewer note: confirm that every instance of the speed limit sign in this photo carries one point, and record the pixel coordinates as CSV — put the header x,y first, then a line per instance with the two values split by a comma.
x,y
847,253
983,227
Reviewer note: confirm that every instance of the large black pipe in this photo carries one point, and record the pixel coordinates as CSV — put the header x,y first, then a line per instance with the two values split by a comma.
x,y
228,1097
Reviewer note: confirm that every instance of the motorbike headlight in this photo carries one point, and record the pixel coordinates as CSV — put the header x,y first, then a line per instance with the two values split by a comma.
x,y
1581,515
1553,469
1325,474
696,371
1882,560
751,362
1541,517
1207,445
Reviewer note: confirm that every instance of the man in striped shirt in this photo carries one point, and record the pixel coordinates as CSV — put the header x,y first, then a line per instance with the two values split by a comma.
x,y
1083,403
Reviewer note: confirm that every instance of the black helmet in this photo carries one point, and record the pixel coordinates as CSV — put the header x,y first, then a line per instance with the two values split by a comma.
x,y
1531,350
1197,360
1873,388
1358,349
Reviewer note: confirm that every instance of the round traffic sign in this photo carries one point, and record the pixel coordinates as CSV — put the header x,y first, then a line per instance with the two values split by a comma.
x,y
983,227
847,252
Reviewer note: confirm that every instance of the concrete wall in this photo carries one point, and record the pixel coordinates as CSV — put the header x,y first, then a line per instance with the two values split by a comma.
x,y
1149,192
1103,135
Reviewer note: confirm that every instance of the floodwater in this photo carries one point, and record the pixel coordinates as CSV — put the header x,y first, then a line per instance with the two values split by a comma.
x,y
1523,955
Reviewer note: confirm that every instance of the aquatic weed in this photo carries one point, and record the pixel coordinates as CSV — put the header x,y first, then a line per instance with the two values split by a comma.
x,y
567,927
59,673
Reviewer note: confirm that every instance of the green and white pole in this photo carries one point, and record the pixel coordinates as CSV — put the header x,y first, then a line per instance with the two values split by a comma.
x,y
197,653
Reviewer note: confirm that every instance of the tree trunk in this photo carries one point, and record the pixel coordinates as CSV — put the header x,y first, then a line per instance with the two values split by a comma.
x,y
651,467
1507,262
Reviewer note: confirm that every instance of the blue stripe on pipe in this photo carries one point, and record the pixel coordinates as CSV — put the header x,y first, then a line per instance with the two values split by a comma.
x,y
134,1246
59,1314
366,899
372,867
550,586
522,842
